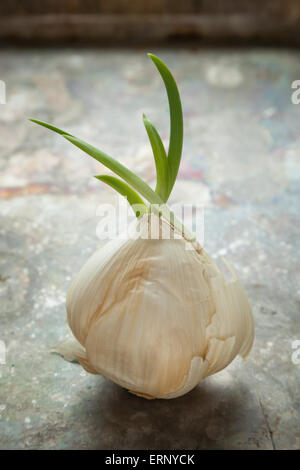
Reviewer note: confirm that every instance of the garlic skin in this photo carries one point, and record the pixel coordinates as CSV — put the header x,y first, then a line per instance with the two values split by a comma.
x,y
155,317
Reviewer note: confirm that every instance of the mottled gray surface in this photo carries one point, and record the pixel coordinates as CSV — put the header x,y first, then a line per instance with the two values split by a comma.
x,y
241,160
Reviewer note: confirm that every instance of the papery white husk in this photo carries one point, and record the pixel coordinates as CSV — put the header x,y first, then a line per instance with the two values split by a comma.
x,y
156,317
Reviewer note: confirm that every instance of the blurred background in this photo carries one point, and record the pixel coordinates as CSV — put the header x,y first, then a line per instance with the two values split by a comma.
x,y
152,21
82,65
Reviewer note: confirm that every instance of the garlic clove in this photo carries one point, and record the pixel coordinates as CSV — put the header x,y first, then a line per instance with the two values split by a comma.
x,y
157,318
196,373
72,351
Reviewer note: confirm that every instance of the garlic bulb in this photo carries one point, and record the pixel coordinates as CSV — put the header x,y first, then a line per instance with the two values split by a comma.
x,y
149,314
155,317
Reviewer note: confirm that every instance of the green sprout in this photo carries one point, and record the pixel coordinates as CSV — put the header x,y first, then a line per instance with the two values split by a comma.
x,y
130,185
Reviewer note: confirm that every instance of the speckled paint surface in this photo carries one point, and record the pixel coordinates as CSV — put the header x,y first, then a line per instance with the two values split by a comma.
x,y
240,159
